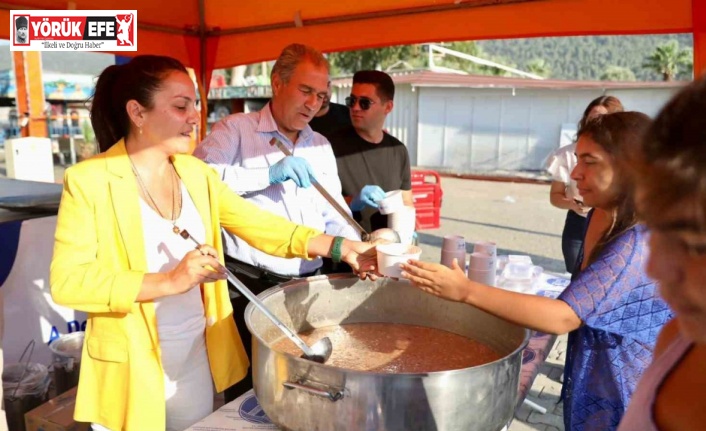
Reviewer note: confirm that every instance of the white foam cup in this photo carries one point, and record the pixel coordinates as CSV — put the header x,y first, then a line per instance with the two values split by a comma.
x,y
391,255
406,237
404,218
403,221
391,203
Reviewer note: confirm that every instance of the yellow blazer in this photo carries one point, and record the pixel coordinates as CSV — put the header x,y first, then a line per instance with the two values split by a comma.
x,y
98,266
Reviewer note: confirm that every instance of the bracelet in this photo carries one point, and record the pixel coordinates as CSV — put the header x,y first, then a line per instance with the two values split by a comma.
x,y
336,253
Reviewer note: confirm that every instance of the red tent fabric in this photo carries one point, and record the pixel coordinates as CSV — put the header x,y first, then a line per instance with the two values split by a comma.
x,y
208,34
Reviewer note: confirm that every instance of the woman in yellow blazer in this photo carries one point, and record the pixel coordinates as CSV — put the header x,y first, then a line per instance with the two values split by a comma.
x,y
143,113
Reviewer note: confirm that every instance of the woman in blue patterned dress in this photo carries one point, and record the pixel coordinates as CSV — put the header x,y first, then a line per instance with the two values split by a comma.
x,y
611,309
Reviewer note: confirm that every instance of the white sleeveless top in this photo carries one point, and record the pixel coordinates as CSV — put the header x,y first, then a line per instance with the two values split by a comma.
x,y
181,321
177,315
639,416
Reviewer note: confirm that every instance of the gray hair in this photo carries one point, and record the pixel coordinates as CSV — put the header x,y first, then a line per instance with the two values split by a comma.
x,y
291,56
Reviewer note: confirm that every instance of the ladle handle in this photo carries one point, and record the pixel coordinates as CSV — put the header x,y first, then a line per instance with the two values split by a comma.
x,y
364,235
252,298
255,300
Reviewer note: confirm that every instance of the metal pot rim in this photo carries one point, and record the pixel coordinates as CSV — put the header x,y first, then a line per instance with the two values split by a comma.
x,y
293,283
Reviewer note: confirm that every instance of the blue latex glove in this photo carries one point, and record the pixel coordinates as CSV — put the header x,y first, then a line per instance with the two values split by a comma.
x,y
292,168
369,195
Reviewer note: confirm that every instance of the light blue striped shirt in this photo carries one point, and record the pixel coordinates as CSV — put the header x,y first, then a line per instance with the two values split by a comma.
x,y
238,148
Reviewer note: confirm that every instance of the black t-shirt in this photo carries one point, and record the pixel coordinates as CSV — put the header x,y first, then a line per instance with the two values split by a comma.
x,y
361,163
337,118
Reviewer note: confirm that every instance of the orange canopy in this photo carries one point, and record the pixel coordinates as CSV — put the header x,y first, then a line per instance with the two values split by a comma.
x,y
208,34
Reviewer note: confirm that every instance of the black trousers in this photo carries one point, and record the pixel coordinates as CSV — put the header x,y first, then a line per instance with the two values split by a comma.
x,y
257,280
572,239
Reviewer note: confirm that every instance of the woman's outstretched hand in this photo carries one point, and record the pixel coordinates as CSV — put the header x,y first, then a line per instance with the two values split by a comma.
x,y
448,283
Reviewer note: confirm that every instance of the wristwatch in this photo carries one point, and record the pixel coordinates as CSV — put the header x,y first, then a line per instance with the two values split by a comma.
x,y
336,253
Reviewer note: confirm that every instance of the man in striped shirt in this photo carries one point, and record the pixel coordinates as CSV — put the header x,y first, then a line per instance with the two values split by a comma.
x,y
239,149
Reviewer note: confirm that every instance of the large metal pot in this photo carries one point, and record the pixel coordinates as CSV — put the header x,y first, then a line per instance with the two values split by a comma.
x,y
301,395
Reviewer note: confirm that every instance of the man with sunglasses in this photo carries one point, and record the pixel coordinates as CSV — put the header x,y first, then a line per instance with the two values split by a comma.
x,y
371,161
239,148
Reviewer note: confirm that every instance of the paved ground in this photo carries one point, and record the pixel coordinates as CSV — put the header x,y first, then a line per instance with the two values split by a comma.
x,y
520,220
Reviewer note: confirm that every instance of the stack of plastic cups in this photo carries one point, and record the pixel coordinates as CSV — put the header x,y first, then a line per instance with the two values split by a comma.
x,y
482,264
481,268
403,221
454,247
488,248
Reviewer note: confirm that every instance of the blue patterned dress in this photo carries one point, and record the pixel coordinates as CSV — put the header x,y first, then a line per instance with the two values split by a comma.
x,y
622,314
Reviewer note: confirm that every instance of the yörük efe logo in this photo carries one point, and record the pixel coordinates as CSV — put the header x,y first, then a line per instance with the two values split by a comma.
x,y
74,30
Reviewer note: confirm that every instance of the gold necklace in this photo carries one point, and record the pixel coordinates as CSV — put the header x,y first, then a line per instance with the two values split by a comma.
x,y
145,191
175,185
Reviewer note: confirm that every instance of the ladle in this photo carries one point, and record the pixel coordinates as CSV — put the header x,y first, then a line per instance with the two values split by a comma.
x,y
318,352
385,233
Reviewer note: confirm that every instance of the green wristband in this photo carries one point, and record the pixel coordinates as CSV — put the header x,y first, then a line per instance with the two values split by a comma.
x,y
336,253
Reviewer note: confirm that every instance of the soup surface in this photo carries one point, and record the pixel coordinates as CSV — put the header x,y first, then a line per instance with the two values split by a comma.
x,y
394,348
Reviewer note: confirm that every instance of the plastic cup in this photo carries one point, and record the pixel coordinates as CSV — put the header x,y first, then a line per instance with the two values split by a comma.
x,y
481,262
447,258
454,243
486,247
480,276
519,258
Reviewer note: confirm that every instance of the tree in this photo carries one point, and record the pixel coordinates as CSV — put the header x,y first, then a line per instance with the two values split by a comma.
x,y
686,73
667,60
348,62
540,67
617,73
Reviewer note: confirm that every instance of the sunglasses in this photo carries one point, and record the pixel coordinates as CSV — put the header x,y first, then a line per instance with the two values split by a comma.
x,y
363,102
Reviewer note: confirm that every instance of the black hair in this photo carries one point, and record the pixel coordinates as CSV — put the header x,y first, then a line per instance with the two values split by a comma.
x,y
137,80
384,86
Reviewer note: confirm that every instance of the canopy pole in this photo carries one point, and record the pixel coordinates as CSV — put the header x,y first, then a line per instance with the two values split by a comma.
x,y
203,73
30,93
698,16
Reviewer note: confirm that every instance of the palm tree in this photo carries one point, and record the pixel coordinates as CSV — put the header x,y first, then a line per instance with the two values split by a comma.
x,y
668,59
